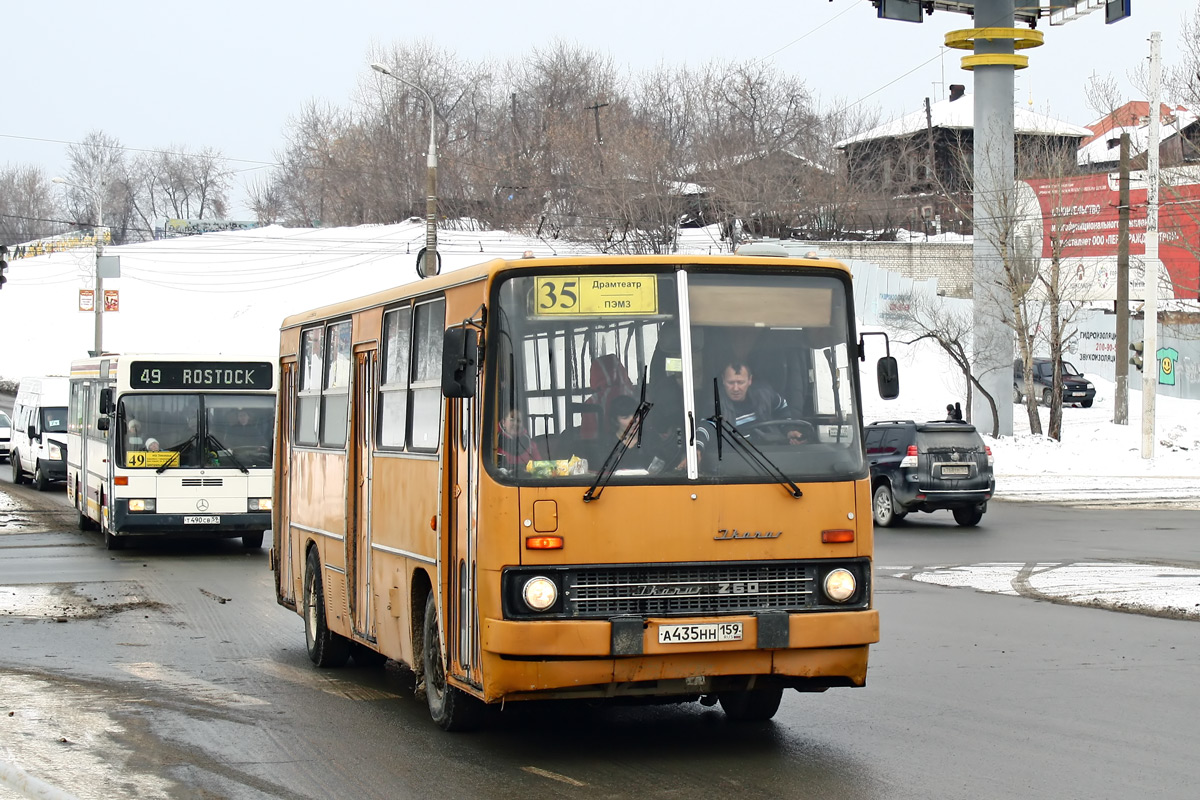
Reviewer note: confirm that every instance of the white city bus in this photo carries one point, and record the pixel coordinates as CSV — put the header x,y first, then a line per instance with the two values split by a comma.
x,y
177,445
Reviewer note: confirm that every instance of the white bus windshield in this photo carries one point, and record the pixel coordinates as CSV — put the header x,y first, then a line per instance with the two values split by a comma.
x,y
196,430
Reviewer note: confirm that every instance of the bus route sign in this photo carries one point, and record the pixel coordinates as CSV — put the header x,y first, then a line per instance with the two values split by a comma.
x,y
201,375
588,295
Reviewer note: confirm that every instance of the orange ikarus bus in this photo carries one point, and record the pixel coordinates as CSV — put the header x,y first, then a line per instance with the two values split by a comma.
x,y
629,477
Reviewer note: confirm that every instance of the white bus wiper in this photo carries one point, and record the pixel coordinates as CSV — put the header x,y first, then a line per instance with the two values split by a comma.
x,y
214,441
726,431
618,451
178,451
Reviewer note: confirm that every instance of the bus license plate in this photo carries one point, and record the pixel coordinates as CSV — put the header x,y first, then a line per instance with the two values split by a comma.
x,y
201,520
704,632
956,470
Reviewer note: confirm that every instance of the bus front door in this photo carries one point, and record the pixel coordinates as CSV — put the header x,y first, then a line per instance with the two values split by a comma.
x,y
358,495
461,619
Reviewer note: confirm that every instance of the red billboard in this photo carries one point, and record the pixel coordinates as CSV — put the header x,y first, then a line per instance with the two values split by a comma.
x,y
1081,213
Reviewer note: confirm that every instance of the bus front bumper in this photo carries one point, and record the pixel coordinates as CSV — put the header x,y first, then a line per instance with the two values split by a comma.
x,y
152,524
593,658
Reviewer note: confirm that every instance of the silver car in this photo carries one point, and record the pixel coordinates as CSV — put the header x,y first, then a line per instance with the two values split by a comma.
x,y
5,436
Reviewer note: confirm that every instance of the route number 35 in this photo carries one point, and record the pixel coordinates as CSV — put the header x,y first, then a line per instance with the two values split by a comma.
x,y
557,295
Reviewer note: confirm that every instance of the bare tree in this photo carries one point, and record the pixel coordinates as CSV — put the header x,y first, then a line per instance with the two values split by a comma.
x,y
953,329
98,183
28,209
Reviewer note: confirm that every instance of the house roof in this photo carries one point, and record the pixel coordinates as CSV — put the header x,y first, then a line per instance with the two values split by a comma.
x,y
1104,147
960,115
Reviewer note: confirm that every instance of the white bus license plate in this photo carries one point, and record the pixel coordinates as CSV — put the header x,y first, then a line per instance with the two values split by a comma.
x,y
201,520
704,632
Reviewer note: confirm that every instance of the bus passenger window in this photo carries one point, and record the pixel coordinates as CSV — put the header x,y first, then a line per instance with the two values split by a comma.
x,y
335,397
312,343
393,391
429,328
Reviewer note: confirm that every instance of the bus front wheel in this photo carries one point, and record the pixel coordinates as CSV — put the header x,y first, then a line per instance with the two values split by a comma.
x,y
451,708
252,541
325,648
113,542
751,705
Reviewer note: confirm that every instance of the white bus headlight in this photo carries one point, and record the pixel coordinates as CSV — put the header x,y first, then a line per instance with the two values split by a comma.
x,y
142,505
260,504
840,585
539,593
55,452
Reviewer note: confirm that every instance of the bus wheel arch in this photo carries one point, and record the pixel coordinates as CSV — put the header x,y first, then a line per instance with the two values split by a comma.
x,y
421,590
325,648
450,707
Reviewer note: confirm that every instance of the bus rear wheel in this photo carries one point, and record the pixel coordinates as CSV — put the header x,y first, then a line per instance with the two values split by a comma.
x,y
451,708
325,648
18,476
751,705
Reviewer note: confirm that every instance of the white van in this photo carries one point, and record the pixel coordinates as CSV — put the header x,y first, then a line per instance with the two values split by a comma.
x,y
39,431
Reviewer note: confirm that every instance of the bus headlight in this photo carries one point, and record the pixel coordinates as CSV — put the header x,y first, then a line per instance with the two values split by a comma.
x,y
539,593
142,505
259,504
840,585
55,452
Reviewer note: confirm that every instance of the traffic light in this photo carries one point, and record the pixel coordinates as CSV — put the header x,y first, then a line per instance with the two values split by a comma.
x,y
3,264
1138,349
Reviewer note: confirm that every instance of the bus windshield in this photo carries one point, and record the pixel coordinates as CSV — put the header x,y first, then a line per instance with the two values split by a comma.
x,y
196,430
764,358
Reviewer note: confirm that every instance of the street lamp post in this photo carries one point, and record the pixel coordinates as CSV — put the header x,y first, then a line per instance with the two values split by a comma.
x,y
98,296
428,265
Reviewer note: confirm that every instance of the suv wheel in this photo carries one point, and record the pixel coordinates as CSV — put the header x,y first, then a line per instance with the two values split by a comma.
x,y
884,507
1047,397
968,517
1016,394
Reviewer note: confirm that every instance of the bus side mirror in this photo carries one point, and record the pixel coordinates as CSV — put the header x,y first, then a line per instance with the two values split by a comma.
x,y
102,423
106,401
31,431
887,376
460,362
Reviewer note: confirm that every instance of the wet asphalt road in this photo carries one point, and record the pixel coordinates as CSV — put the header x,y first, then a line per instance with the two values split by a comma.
x,y
169,671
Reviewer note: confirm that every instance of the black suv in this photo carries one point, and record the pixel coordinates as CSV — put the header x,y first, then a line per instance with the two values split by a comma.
x,y
928,466
1076,388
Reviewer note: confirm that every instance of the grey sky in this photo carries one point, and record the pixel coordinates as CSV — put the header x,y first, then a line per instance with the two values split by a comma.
x,y
229,74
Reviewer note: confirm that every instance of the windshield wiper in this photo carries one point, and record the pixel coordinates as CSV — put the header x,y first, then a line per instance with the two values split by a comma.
x,y
726,431
212,440
178,450
622,444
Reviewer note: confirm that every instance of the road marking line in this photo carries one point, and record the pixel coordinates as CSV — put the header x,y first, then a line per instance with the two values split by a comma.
x,y
554,776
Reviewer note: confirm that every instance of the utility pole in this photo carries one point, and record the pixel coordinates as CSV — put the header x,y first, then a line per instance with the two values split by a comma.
x,y
599,139
1150,323
1121,406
